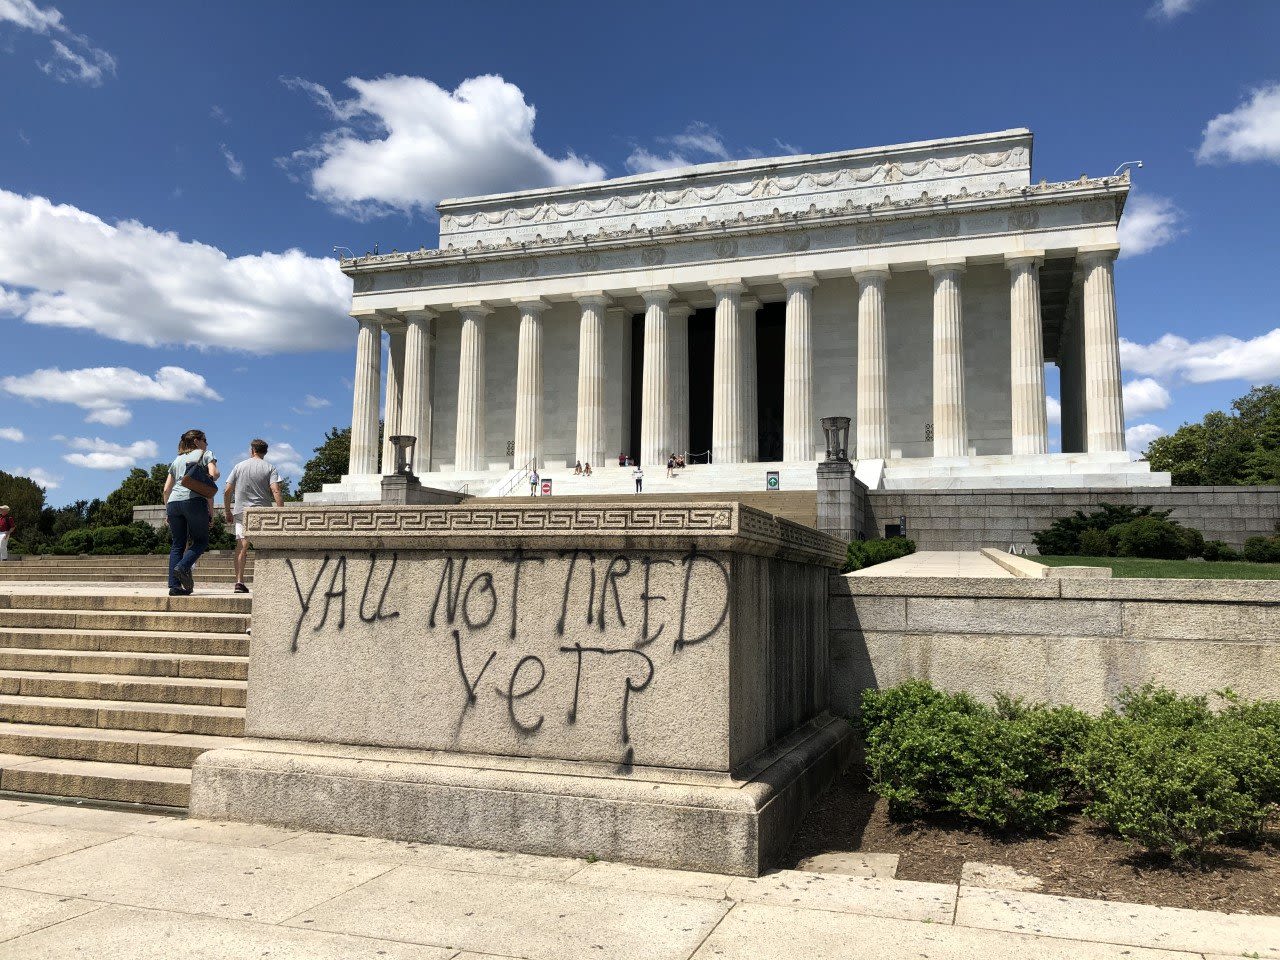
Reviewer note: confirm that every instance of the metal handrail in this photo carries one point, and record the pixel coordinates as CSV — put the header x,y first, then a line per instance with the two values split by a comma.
x,y
520,475
694,457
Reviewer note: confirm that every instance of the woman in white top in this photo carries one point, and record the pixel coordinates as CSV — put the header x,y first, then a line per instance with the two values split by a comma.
x,y
187,513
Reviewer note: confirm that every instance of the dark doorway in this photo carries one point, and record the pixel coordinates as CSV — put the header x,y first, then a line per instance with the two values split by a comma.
x,y
702,351
771,326
637,384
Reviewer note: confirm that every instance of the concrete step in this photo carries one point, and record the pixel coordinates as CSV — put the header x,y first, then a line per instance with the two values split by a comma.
x,y
117,715
107,746
67,619
173,642
33,599
190,666
116,782
89,686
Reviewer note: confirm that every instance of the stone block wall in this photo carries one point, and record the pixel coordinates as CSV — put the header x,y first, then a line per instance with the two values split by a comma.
x,y
971,519
1058,641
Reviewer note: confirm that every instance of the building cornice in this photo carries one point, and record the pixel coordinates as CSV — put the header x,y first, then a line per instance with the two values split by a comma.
x,y
1042,193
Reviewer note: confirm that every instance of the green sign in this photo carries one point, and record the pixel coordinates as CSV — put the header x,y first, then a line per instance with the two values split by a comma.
x,y
771,480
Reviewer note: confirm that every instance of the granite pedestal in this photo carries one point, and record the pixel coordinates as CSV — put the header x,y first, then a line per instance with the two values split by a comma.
x,y
646,683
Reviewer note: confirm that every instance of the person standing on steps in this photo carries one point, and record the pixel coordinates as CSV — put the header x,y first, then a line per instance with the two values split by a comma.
x,y
639,478
533,482
6,531
252,483
188,497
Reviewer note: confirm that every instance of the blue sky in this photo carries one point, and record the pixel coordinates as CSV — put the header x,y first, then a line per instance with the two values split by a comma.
x,y
173,176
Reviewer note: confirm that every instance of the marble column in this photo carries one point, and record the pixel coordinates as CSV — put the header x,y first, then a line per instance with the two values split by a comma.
x,y
528,428
469,449
873,365
726,388
1104,393
655,396
364,411
415,409
678,325
590,445
950,431
391,404
1026,354
798,422
748,307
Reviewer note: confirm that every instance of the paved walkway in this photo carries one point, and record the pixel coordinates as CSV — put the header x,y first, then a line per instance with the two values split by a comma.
x,y
78,882
938,563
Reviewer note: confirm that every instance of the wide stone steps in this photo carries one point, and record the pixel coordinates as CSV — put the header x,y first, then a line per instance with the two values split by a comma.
x,y
212,569
111,693
190,666
113,782
123,641
208,693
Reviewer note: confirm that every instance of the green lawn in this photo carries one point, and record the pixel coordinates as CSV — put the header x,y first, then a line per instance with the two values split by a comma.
x,y
1184,569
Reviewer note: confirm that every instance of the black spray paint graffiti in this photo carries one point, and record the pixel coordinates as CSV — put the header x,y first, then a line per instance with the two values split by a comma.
x,y
467,602
338,591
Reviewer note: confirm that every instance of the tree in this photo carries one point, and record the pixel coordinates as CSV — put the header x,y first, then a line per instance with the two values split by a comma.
x,y
139,488
1241,448
329,463
25,499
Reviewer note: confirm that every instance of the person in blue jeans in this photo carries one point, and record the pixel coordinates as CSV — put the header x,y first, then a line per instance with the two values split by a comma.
x,y
187,513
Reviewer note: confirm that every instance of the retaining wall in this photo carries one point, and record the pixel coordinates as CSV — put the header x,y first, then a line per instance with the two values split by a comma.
x,y
1057,641
970,519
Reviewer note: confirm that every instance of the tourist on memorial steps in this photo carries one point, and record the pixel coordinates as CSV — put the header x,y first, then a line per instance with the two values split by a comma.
x,y
577,469
671,465
6,528
252,483
533,483
586,471
188,495
639,477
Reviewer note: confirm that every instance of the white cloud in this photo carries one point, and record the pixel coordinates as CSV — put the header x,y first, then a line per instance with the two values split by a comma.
x,y
63,267
12,434
404,143
310,402
234,166
106,391
1249,132
84,64
287,460
99,454
1138,438
217,113
1256,360
41,476
1145,396
1053,409
1169,9
1149,222
699,143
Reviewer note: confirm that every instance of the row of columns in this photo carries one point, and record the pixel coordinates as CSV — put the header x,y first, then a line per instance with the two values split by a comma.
x,y
664,415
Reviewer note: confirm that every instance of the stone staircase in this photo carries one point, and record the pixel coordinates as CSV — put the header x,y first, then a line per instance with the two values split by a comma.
x,y
215,567
110,694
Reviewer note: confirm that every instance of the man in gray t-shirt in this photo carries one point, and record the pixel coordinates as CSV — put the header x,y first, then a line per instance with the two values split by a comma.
x,y
252,483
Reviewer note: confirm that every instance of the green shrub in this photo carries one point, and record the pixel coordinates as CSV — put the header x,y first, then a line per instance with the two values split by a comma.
x,y
1062,538
1217,550
1154,537
931,752
1170,773
1096,543
867,553
133,538
1262,549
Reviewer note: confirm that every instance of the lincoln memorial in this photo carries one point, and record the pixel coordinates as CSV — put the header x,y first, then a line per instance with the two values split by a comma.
x,y
719,311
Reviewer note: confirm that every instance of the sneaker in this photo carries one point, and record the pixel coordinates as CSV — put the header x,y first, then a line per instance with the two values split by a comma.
x,y
184,577
241,588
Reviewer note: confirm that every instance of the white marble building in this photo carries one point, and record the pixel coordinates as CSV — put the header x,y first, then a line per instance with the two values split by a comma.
x,y
919,289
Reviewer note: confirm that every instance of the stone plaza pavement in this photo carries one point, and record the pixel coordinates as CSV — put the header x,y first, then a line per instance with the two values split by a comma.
x,y
82,882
